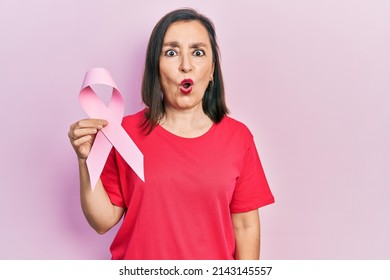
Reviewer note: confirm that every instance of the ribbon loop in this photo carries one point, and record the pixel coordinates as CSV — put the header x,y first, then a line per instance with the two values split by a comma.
x,y
111,135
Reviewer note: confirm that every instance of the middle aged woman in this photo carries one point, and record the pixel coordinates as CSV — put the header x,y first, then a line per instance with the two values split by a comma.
x,y
203,182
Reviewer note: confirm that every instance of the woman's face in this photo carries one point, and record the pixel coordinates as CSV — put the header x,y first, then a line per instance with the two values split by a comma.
x,y
186,65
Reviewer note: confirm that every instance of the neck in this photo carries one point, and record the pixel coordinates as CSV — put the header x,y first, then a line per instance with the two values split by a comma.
x,y
186,123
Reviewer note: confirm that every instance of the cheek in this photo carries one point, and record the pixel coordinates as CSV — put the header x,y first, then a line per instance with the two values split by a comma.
x,y
167,83
207,75
166,73
207,69
204,85
163,76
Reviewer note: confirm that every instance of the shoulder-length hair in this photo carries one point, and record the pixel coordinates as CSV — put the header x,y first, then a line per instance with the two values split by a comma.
x,y
213,102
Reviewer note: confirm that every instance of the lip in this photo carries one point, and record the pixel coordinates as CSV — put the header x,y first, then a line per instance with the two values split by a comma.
x,y
186,86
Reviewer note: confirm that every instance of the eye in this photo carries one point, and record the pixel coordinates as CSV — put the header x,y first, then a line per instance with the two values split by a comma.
x,y
199,53
170,53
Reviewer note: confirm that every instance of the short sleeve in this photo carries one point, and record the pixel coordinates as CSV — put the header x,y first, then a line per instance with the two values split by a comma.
x,y
111,181
252,190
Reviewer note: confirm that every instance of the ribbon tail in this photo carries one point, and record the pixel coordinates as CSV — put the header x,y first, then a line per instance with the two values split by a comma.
x,y
97,158
126,148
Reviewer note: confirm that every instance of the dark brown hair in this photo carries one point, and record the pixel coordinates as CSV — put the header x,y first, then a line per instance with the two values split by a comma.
x,y
213,102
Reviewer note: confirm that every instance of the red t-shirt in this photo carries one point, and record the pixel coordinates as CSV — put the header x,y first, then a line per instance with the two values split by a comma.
x,y
192,185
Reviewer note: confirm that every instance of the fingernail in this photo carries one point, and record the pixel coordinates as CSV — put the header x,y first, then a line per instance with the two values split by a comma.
x,y
101,125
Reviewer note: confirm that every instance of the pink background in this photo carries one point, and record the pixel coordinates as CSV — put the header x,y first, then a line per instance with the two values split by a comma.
x,y
309,78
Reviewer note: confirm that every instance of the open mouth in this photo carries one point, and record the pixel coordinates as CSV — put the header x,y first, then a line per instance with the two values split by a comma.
x,y
186,86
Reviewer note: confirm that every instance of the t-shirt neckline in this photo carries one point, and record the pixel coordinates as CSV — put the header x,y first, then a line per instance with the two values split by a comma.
x,y
165,132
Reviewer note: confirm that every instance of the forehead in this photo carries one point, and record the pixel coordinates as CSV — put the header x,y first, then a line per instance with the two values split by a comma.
x,y
187,31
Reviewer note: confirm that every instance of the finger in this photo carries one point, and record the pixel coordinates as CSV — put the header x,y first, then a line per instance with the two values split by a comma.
x,y
81,132
86,123
91,123
80,141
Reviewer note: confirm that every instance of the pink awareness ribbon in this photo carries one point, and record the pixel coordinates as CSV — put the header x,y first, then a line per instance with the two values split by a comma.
x,y
111,135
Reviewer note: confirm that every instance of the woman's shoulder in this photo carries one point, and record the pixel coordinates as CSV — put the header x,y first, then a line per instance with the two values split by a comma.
x,y
134,118
134,121
233,125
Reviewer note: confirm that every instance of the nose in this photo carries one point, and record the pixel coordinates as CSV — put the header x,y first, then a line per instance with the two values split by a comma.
x,y
185,64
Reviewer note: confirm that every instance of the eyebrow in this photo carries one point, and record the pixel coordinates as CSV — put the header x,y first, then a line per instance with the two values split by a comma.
x,y
175,44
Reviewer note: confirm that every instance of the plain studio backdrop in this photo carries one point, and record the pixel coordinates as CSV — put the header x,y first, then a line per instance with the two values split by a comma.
x,y
309,78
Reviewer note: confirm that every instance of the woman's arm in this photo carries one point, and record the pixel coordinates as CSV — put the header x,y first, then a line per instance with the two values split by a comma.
x,y
100,213
247,234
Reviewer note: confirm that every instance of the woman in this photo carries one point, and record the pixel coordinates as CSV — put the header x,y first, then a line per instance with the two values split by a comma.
x,y
203,178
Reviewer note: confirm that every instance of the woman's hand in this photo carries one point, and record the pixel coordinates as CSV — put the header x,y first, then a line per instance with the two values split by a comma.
x,y
82,135
101,214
